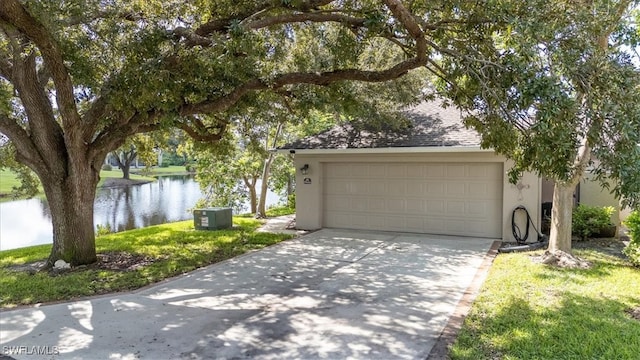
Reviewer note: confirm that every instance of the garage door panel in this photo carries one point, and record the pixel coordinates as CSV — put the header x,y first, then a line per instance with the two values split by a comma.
x,y
439,198
481,172
480,189
359,171
415,206
415,172
435,171
415,224
337,170
455,189
435,207
415,188
477,208
435,189
399,188
456,171
396,206
359,220
377,187
376,205
455,207
338,203
340,187
338,221
397,171
377,171
359,187
359,205
436,225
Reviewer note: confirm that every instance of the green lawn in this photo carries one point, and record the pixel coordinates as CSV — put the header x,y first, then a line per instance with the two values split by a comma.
x,y
117,174
531,311
155,171
175,248
7,181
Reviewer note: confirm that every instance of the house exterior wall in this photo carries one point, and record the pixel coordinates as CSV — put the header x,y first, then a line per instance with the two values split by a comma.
x,y
593,194
309,187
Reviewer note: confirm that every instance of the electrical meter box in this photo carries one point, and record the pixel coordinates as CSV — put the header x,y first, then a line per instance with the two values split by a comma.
x,y
212,218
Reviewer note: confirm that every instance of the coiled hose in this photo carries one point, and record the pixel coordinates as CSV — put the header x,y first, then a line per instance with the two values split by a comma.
x,y
522,240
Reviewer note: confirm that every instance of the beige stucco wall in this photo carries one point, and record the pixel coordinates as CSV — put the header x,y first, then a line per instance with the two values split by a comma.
x,y
593,194
309,195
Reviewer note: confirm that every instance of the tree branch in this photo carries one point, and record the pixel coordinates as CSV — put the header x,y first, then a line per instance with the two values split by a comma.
x,y
325,78
46,133
14,13
304,17
195,128
22,142
221,25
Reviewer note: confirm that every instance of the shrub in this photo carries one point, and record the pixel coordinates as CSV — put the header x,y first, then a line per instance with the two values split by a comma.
x,y
107,167
633,249
590,220
103,229
291,201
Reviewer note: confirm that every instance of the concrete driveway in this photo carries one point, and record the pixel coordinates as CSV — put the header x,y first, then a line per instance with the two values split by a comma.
x,y
332,294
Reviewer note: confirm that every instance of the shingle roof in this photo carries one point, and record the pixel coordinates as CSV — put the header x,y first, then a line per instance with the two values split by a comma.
x,y
431,125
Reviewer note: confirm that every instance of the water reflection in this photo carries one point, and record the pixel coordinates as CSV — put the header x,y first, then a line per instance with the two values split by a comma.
x,y
28,222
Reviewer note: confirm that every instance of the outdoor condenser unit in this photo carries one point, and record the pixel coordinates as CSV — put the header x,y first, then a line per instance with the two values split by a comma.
x,y
212,218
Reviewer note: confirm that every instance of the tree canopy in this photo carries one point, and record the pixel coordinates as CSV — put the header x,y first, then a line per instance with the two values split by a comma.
x,y
80,77
559,94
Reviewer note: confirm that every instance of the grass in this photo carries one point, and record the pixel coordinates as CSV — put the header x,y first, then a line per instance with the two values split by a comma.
x,y
280,211
155,171
531,311
7,181
176,248
117,174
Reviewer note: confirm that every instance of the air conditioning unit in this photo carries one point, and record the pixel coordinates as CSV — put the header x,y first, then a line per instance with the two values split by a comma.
x,y
212,218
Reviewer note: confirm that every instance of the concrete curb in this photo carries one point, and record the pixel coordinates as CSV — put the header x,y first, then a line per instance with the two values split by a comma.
x,y
450,332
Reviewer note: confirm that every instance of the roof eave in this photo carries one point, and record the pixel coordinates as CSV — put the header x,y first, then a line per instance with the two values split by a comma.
x,y
388,150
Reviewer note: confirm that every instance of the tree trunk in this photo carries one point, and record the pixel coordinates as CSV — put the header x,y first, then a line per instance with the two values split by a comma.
x,y
266,171
264,188
289,185
561,215
253,198
125,171
71,205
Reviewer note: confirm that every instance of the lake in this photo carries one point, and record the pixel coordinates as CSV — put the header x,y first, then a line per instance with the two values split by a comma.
x,y
28,222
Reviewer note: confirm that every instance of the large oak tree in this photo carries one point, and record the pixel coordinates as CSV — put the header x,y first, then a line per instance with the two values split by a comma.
x,y
78,78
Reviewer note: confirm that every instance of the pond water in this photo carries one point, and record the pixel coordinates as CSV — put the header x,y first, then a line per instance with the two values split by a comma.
x,y
28,222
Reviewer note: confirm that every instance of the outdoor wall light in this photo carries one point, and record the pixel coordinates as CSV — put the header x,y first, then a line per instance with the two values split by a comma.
x,y
305,169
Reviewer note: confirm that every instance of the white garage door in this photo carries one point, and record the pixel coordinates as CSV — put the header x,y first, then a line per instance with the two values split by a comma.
x,y
437,198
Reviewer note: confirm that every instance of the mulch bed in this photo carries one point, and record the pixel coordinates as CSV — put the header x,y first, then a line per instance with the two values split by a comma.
x,y
634,313
113,260
121,261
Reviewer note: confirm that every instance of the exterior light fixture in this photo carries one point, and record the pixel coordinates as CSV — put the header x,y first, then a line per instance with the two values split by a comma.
x,y
305,169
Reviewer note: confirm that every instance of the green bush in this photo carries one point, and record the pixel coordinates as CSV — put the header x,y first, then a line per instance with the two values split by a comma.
x,y
633,249
590,220
103,229
107,167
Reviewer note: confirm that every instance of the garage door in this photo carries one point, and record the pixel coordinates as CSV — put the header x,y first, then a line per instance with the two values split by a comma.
x,y
437,198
